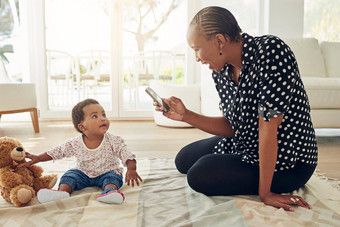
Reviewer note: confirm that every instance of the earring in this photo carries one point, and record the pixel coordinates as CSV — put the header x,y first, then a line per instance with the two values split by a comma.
x,y
220,52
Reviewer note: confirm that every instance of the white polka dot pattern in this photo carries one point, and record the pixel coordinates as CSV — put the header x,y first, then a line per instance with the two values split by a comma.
x,y
269,86
94,162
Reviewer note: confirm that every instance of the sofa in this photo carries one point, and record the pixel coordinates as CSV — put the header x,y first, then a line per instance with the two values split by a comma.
x,y
319,65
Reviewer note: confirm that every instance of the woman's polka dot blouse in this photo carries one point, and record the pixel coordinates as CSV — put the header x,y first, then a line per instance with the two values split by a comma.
x,y
269,86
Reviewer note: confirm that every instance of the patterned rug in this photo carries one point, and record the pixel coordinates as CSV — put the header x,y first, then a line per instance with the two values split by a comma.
x,y
165,199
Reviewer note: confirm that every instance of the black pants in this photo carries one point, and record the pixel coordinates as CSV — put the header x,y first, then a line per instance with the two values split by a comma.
x,y
226,174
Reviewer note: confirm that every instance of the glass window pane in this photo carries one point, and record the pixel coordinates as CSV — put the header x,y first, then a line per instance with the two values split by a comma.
x,y
78,52
154,45
322,19
10,42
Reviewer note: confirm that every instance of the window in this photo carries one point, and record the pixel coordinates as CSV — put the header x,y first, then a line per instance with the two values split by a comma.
x,y
154,45
322,19
77,52
10,43
102,49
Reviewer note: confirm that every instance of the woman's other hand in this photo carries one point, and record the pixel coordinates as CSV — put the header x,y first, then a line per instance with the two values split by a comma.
x,y
284,201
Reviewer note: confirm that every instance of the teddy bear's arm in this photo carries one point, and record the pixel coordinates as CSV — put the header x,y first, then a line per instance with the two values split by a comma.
x,y
36,170
9,179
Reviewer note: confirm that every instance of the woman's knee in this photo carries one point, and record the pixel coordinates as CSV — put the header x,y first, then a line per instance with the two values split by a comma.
x,y
189,154
180,162
194,180
200,175
222,175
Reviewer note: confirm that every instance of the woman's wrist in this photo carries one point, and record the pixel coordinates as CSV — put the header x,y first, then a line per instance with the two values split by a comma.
x,y
187,116
263,192
263,195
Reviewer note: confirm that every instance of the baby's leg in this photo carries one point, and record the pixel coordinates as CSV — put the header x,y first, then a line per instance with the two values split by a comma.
x,y
72,179
110,182
112,196
65,187
110,186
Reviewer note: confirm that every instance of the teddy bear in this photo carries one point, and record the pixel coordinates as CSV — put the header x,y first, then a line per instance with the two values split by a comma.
x,y
18,183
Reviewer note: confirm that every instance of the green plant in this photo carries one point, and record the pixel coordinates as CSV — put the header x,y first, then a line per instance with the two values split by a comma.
x,y
179,74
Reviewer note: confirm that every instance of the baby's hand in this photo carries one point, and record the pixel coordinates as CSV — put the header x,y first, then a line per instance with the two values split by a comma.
x,y
34,159
132,176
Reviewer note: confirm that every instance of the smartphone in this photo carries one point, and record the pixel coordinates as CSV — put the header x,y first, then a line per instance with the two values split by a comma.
x,y
157,99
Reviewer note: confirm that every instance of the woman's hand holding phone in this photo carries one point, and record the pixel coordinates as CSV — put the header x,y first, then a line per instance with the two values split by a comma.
x,y
157,99
172,108
158,107
177,109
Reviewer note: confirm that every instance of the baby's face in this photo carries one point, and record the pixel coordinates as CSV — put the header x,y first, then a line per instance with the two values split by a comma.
x,y
95,121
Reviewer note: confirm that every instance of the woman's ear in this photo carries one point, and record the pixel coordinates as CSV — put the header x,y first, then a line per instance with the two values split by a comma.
x,y
221,40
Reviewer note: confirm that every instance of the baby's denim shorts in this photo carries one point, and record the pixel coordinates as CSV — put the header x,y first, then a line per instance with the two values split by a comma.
x,y
78,180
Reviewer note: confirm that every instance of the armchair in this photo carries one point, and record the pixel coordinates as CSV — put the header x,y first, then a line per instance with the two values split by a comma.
x,y
18,98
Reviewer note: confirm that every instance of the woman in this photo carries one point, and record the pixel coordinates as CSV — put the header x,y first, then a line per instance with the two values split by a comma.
x,y
265,142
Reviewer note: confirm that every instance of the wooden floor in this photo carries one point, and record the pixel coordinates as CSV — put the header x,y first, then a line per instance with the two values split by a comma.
x,y
147,140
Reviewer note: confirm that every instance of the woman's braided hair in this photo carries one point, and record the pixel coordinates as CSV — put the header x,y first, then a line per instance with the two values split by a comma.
x,y
217,20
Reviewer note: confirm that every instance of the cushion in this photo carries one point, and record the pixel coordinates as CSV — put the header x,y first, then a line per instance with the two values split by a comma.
x,y
331,54
326,118
323,93
308,55
17,96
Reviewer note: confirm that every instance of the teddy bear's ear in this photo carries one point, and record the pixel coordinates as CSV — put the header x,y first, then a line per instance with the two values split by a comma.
x,y
6,148
7,144
12,142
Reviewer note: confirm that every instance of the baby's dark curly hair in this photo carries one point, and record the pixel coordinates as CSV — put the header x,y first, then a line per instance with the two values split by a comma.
x,y
78,113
